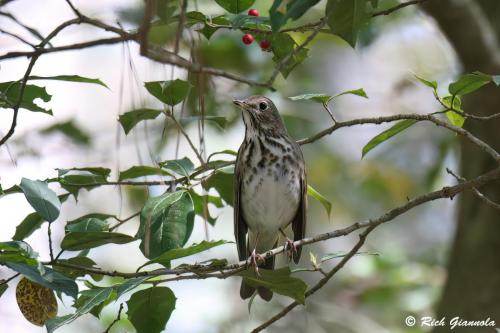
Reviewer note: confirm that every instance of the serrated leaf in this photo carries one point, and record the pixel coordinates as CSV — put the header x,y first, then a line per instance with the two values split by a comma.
x,y
468,83
387,134
318,196
222,181
70,78
41,198
279,281
166,258
10,91
183,167
170,92
36,302
149,310
347,18
166,223
141,171
128,120
30,223
235,6
74,241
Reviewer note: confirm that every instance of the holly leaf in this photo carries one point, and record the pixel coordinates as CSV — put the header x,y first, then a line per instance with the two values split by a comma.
x,y
283,45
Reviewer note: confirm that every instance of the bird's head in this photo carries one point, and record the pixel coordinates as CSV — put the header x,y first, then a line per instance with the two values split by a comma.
x,y
260,115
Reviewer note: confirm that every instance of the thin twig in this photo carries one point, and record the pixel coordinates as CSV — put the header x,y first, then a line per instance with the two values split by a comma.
x,y
116,320
9,279
320,284
19,38
476,192
398,7
186,136
122,221
49,235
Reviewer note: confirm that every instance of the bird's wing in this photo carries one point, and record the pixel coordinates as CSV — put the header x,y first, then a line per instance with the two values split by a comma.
x,y
240,226
299,221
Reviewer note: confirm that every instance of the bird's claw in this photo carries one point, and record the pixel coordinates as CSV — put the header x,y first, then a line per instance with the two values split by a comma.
x,y
290,248
253,261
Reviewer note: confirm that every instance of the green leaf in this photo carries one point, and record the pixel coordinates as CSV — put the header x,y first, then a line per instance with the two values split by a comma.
x,y
453,115
319,98
75,179
74,273
41,198
166,258
74,241
279,281
222,181
130,284
30,223
149,310
18,252
183,167
100,216
49,279
235,6
87,301
469,83
283,10
128,120
431,84
209,30
283,45
70,78
200,201
169,92
166,223
3,288
141,171
10,91
71,130
347,18
318,196
387,134
86,224
96,171
325,99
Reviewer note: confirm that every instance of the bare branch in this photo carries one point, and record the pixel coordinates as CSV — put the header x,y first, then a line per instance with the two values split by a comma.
x,y
398,7
419,117
478,194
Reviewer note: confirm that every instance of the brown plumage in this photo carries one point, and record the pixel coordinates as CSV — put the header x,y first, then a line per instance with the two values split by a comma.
x,y
270,185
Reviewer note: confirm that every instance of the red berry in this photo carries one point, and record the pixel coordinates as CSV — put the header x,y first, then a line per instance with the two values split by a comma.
x,y
265,44
253,12
247,39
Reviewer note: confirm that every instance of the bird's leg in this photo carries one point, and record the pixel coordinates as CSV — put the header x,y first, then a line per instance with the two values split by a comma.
x,y
254,258
253,261
289,246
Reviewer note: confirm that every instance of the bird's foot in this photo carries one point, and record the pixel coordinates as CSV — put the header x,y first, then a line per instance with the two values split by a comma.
x,y
290,248
253,261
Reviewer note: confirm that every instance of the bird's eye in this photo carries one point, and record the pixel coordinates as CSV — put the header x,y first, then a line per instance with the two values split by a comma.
x,y
262,106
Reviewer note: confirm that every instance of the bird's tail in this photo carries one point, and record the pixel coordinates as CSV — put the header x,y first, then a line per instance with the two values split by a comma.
x,y
246,290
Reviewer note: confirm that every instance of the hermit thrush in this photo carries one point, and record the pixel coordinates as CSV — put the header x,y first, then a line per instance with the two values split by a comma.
x,y
270,187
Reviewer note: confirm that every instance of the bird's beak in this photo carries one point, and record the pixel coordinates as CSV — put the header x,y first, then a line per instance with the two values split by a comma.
x,y
241,104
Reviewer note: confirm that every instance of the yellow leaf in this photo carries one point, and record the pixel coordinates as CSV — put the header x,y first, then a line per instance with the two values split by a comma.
x,y
37,303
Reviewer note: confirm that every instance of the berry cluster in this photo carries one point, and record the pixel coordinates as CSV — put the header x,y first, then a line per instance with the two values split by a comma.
x,y
248,38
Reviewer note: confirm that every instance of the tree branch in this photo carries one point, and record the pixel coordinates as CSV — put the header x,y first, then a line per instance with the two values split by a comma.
x,y
203,272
